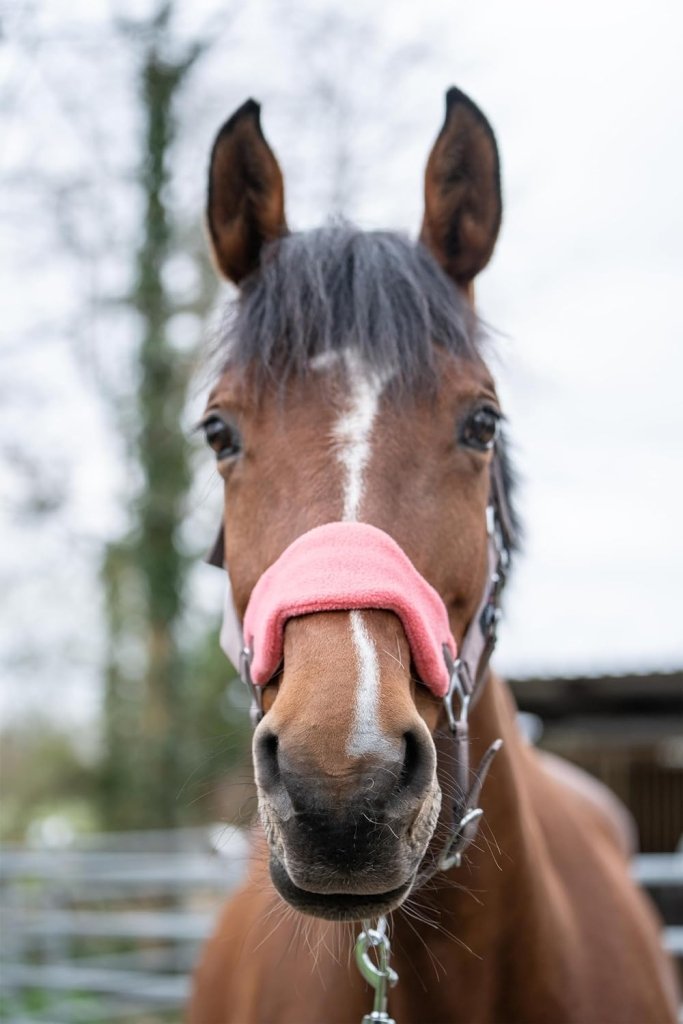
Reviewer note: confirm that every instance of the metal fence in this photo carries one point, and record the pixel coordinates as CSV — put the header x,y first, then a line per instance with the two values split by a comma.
x,y
109,930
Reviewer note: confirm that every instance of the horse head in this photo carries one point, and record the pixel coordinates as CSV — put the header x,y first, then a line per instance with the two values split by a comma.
x,y
355,425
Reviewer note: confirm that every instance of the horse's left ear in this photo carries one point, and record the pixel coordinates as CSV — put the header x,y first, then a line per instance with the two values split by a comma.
x,y
463,204
246,200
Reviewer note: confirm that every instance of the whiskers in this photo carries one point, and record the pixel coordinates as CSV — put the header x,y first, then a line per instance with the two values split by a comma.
x,y
380,825
420,910
398,658
323,942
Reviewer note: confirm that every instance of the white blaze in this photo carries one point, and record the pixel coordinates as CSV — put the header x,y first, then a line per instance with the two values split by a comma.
x,y
353,432
365,736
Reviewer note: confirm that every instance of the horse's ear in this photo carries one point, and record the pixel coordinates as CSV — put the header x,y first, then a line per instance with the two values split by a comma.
x,y
462,191
246,200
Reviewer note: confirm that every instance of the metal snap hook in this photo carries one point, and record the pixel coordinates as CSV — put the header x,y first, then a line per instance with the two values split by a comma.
x,y
380,974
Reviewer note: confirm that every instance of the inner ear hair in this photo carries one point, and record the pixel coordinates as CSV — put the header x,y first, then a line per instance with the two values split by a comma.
x,y
246,200
463,205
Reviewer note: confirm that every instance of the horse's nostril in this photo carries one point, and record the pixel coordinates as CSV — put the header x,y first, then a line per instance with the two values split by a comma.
x,y
410,759
266,757
416,766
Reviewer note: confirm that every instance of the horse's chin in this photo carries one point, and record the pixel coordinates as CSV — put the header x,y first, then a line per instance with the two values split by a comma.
x,y
336,906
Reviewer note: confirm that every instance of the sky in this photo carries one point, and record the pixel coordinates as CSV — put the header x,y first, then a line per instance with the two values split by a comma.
x,y
582,297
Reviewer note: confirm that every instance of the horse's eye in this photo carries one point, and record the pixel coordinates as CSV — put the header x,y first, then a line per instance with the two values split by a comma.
x,y
223,437
480,429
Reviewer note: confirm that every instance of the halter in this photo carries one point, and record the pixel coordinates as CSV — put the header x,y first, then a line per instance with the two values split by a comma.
x,y
467,673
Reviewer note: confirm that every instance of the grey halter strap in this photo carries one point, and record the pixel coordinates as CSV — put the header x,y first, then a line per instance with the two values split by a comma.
x,y
468,674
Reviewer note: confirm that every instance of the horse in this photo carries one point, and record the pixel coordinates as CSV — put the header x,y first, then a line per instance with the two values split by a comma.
x,y
369,527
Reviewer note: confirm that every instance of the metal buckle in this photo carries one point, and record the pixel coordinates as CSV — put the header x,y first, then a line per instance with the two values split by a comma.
x,y
460,684
451,856
490,519
256,710
490,617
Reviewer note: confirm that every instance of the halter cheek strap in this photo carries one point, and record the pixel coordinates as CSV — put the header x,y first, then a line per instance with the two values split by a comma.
x,y
230,638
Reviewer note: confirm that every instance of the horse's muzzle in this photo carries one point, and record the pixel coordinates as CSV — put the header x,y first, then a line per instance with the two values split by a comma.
x,y
347,842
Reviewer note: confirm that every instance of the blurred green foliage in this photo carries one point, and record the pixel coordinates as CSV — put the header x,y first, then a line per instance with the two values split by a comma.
x,y
163,692
46,777
173,724
43,766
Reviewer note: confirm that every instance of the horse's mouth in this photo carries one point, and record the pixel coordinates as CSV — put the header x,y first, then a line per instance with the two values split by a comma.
x,y
336,906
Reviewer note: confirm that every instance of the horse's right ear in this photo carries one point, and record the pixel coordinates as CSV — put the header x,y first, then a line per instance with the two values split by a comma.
x,y
246,199
462,191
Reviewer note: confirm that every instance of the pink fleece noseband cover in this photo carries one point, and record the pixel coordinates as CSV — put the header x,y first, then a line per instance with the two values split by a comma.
x,y
341,567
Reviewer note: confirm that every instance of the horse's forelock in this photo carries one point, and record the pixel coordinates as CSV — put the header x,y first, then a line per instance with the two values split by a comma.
x,y
338,288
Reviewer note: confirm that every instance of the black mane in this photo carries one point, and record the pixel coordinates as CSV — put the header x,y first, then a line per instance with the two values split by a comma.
x,y
340,288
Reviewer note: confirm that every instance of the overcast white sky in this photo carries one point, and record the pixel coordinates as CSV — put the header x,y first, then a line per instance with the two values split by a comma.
x,y
584,290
